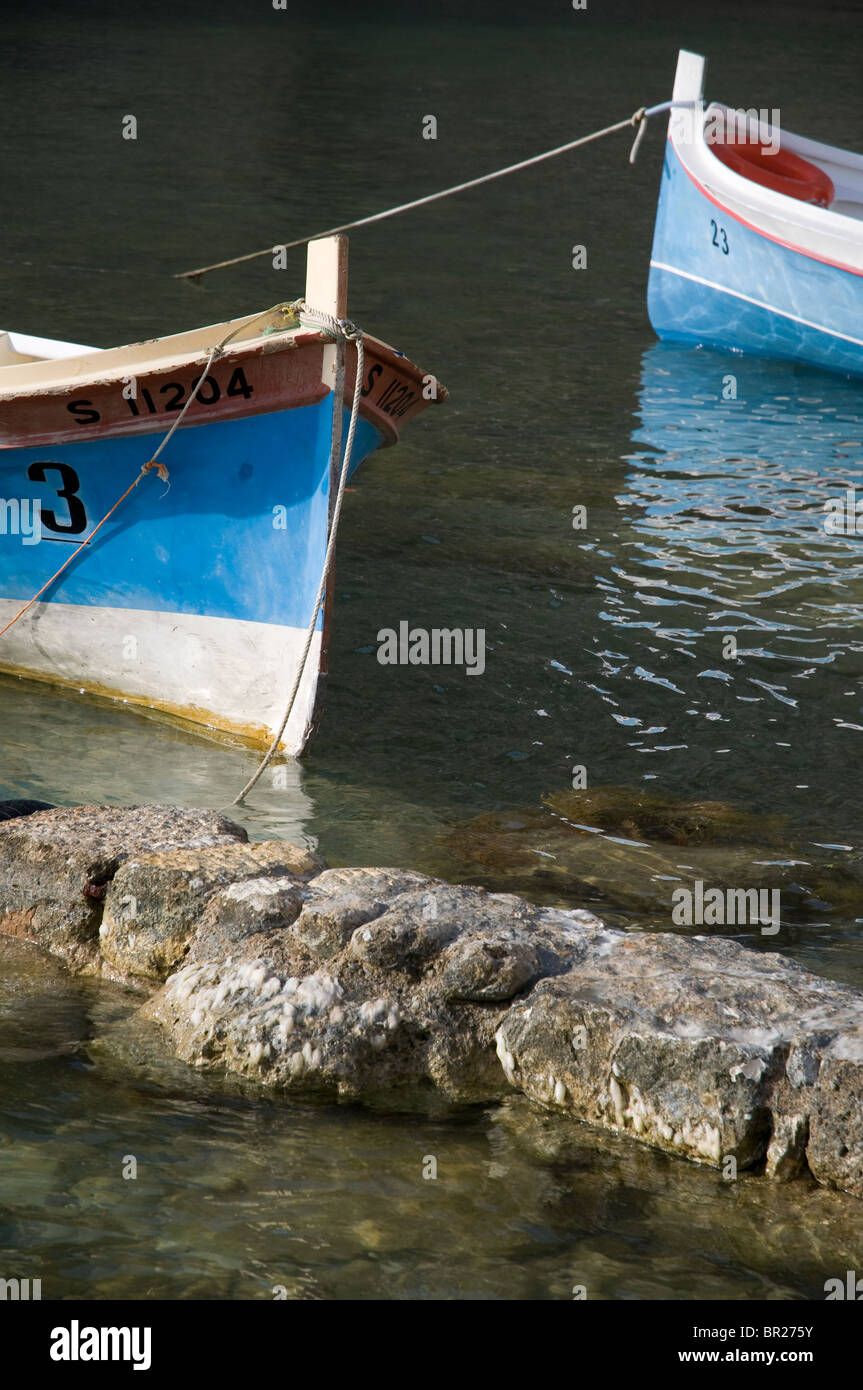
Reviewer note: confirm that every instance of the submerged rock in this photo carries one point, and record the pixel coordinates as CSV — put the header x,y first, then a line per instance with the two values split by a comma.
x,y
627,851
43,1010
387,986
644,815
750,1232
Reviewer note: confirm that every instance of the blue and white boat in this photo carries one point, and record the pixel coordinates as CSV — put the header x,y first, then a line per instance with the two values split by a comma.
x,y
758,245
197,594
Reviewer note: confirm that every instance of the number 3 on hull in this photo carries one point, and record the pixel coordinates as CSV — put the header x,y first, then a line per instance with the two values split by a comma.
x,y
195,597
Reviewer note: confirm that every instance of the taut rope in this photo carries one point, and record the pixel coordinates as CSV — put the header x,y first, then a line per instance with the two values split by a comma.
x,y
639,119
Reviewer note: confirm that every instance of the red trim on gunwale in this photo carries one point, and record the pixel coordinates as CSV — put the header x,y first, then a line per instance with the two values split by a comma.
x,y
789,245
282,376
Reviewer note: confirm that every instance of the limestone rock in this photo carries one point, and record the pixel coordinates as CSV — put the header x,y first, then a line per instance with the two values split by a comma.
x,y
410,998
252,907
786,1153
155,901
55,866
387,985
700,1047
340,900
835,1148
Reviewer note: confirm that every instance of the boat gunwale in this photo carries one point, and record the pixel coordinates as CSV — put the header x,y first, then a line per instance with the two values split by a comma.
x,y
58,382
716,179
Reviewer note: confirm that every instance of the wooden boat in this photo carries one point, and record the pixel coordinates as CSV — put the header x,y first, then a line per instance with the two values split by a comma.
x,y
196,596
758,245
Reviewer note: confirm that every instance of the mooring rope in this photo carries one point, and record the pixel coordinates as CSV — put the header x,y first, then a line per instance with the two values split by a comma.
x,y
638,119
344,329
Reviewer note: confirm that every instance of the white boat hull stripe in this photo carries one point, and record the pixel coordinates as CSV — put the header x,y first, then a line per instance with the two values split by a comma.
x,y
759,303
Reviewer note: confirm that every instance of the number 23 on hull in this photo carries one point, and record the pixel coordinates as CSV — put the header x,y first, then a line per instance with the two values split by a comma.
x,y
758,244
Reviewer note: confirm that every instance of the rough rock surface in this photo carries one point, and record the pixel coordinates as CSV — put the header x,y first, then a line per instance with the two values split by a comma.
x,y
701,1047
55,866
385,984
694,1045
154,902
361,997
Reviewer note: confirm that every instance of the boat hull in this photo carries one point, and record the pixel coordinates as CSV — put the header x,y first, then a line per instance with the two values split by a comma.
x,y
166,506
195,598
758,296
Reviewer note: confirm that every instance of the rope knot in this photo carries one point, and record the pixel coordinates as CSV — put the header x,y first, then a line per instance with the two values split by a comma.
x,y
639,120
349,330
159,467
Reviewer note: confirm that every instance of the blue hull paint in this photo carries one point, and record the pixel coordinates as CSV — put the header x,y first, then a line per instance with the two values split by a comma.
x,y
208,544
804,310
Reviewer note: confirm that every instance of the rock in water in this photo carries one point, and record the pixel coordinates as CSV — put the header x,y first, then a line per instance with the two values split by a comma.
x,y
701,1047
384,984
55,866
620,850
640,814
694,1045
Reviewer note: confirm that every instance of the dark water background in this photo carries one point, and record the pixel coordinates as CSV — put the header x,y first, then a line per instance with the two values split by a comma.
x,y
704,517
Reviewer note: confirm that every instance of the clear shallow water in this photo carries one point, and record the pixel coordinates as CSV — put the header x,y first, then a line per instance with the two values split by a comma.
x,y
704,518
236,1197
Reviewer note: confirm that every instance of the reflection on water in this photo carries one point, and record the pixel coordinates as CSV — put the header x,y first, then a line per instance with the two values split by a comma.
x,y
732,618
72,750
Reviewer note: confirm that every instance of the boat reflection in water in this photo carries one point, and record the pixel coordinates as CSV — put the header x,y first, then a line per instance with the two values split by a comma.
x,y
737,616
742,460
731,668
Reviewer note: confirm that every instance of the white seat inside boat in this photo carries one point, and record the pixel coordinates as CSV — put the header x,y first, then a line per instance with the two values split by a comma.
x,y
21,347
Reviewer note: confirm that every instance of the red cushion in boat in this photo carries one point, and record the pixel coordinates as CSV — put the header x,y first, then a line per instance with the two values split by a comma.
x,y
780,170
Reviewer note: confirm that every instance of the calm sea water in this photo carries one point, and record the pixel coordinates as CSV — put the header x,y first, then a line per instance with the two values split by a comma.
x,y
605,645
